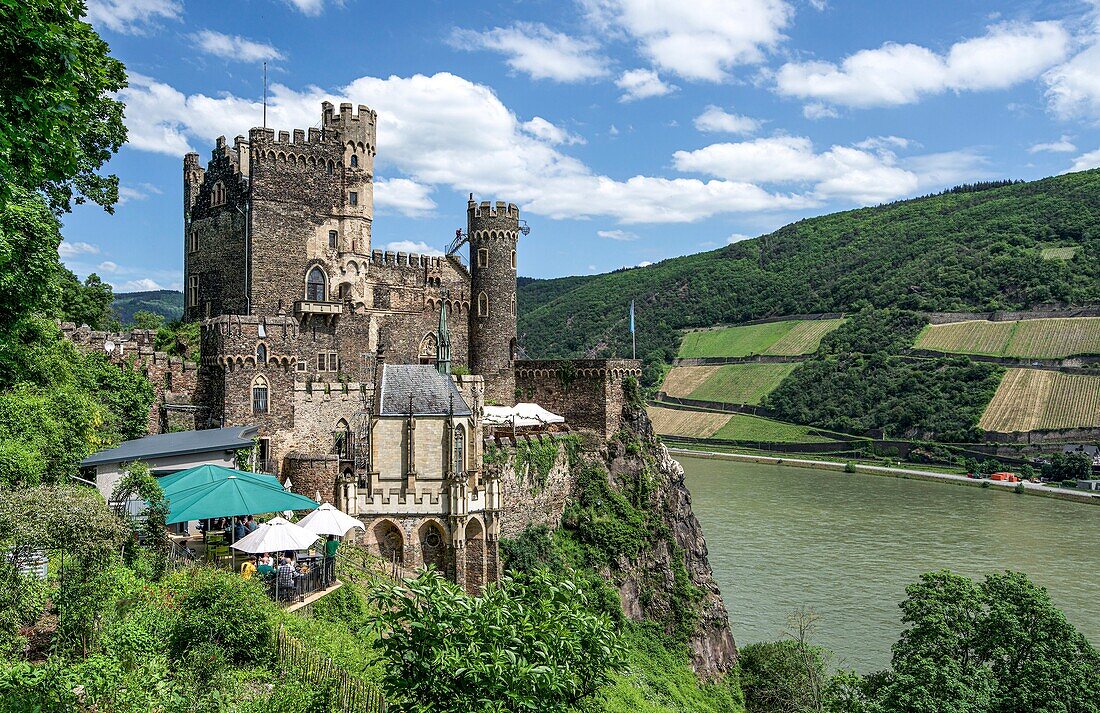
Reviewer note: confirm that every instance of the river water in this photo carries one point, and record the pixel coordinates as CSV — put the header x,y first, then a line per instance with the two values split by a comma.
x,y
845,545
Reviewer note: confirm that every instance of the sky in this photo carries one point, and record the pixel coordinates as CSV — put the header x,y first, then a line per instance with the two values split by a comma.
x,y
628,131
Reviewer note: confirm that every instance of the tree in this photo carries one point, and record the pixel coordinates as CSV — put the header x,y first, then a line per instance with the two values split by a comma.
x,y
775,676
59,122
29,266
149,529
88,302
529,642
144,319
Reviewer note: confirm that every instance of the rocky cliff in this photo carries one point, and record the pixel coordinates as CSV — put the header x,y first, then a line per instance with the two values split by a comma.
x,y
622,509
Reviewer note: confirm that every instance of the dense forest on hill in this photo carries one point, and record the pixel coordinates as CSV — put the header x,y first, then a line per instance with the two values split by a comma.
x,y
166,303
979,248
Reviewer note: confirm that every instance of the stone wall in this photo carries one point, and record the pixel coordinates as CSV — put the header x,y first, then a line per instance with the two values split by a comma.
x,y
312,473
525,504
174,379
587,392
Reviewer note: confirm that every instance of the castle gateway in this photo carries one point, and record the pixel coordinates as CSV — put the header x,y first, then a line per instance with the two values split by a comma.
x,y
342,355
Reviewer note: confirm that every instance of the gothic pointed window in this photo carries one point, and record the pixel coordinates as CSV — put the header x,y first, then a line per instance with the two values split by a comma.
x,y
315,285
261,354
460,449
482,305
341,440
259,395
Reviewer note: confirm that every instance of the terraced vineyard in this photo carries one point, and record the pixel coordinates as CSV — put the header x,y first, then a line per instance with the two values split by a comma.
x,y
696,424
732,427
1029,338
729,383
787,338
1059,253
1035,399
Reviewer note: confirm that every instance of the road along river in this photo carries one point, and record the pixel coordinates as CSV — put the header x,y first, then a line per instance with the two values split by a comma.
x,y
845,545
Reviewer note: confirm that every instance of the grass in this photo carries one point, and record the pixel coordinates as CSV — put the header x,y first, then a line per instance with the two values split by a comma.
x,y
1033,399
743,427
682,381
741,383
787,338
1059,253
1054,338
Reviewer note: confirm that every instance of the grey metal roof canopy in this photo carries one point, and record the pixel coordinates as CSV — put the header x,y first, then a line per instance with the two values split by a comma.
x,y
175,444
431,393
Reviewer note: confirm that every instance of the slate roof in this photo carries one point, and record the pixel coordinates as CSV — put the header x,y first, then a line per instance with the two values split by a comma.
x,y
431,391
175,444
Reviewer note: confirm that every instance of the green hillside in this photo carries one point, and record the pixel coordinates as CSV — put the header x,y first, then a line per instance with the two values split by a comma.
x,y
167,303
974,248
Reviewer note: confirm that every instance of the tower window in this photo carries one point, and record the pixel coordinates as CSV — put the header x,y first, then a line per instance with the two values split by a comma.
x,y
513,305
192,290
482,304
193,242
259,395
354,161
353,198
327,361
333,236
460,449
331,168
217,194
261,354
315,285
483,257
513,259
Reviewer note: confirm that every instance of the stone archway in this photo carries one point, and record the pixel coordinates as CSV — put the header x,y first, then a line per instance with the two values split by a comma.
x,y
475,556
433,546
389,542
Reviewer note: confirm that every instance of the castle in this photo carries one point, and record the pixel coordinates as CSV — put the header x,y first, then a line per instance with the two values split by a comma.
x,y
366,372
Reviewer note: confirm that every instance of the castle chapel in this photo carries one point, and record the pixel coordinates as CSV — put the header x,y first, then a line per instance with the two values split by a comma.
x,y
346,357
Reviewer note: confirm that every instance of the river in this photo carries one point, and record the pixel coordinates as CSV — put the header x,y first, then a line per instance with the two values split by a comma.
x,y
845,545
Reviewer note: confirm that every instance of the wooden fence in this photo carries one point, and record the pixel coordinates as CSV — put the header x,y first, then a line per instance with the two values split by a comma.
x,y
347,693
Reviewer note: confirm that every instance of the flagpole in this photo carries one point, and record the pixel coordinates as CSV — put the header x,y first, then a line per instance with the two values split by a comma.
x,y
633,336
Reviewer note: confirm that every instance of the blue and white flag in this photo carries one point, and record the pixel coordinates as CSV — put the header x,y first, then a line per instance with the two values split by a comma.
x,y
632,316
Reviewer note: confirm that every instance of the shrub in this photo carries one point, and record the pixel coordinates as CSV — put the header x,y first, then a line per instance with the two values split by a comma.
x,y
220,608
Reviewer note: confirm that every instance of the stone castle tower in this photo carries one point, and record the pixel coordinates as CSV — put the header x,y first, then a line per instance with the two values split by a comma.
x,y
493,230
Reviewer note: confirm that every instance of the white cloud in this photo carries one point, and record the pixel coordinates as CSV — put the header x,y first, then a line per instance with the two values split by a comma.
x,y
716,119
107,266
145,284
67,249
418,247
538,51
1062,145
550,133
699,39
642,84
132,17
312,8
644,263
403,196
1073,88
736,238
617,234
1086,161
234,47
866,173
816,110
130,193
444,130
897,74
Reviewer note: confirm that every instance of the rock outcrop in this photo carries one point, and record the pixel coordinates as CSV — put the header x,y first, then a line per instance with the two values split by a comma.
x,y
665,577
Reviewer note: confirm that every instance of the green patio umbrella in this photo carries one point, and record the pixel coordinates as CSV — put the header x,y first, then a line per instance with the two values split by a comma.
x,y
230,497
201,474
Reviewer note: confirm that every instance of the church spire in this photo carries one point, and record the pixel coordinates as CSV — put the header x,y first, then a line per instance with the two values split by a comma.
x,y
443,342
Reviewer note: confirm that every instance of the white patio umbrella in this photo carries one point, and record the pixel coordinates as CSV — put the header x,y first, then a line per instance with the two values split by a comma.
x,y
327,520
276,535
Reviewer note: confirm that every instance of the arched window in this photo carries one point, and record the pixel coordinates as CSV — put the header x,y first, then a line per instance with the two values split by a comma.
x,y
460,449
315,285
341,440
354,161
482,304
259,395
261,354
513,259
513,305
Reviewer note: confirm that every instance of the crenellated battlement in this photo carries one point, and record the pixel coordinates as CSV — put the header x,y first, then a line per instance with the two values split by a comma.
x,y
398,259
499,209
346,116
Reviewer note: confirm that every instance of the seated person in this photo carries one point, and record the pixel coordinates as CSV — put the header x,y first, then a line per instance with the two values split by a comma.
x,y
239,531
286,579
266,564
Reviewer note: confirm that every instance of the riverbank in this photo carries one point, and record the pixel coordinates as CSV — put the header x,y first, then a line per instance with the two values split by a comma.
x,y
893,472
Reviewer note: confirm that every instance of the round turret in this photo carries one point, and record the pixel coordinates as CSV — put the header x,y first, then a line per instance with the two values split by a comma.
x,y
493,230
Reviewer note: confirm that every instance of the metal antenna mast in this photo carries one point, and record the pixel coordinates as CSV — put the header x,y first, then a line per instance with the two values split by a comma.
x,y
265,95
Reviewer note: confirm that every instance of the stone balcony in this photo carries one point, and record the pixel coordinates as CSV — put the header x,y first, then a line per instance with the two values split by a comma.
x,y
308,309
